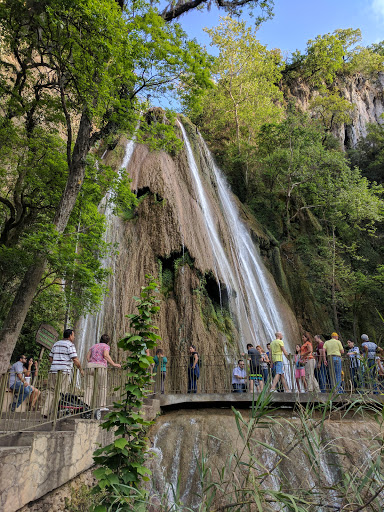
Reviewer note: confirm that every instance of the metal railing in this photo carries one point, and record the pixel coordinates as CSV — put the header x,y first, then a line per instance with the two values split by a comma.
x,y
57,396
60,395
216,371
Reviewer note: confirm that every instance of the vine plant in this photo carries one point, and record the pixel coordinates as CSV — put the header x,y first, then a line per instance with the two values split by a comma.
x,y
122,469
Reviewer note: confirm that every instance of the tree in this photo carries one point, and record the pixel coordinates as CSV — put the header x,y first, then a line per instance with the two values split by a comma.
x,y
77,69
332,110
325,56
369,153
245,94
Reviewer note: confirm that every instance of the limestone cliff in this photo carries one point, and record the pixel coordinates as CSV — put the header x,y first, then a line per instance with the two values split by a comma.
x,y
365,93
167,237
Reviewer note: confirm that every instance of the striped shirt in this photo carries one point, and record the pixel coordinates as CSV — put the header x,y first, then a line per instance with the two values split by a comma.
x,y
354,359
62,353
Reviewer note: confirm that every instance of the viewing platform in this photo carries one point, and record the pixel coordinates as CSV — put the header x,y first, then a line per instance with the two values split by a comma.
x,y
244,400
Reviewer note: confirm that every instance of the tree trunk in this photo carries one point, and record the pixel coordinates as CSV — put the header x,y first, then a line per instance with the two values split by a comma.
x,y
18,311
334,301
28,286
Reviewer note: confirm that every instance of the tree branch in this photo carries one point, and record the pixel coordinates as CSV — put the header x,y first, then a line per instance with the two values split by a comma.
x,y
172,12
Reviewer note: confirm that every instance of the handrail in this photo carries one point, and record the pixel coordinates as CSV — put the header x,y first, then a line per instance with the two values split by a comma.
x,y
57,397
340,374
67,395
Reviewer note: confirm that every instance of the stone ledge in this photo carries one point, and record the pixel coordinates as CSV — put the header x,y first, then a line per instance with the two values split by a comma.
x,y
246,399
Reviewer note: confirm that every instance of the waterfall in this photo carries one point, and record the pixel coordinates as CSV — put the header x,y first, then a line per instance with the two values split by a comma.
x,y
253,303
89,327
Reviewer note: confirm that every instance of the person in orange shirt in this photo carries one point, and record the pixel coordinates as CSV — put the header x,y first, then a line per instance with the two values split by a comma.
x,y
310,363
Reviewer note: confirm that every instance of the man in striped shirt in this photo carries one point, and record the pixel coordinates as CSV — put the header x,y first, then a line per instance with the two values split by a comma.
x,y
63,356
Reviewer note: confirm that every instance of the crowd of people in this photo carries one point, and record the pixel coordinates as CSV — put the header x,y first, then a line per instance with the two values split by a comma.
x,y
317,366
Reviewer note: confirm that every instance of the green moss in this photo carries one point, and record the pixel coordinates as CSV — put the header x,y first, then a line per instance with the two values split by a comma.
x,y
214,315
116,156
169,268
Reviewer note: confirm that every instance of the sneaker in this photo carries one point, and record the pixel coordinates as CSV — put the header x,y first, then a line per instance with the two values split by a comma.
x,y
273,390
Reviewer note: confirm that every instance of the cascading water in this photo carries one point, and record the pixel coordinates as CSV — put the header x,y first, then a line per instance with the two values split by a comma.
x,y
239,267
89,327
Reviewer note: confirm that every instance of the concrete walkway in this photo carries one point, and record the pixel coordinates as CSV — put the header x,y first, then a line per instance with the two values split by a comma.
x,y
179,401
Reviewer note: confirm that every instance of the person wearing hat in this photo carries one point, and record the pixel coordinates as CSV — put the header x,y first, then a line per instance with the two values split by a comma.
x,y
333,349
369,351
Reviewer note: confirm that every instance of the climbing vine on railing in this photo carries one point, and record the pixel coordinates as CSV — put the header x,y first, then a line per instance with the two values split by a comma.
x,y
122,470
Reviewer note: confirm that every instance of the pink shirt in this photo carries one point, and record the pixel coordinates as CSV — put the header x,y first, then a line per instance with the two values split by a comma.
x,y
97,352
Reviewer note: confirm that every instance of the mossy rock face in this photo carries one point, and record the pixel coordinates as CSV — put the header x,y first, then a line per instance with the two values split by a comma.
x,y
156,115
311,314
279,275
115,157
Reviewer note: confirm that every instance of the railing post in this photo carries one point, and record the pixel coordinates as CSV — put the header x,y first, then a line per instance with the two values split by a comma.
x,y
56,398
94,390
202,367
3,387
292,372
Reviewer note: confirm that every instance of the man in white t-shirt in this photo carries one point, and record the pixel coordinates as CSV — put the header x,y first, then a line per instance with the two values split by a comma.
x,y
63,356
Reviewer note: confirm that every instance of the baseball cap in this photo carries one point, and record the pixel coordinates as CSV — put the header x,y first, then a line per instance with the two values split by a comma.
x,y
364,337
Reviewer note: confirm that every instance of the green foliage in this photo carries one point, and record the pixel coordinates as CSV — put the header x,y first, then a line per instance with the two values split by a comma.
x,y
368,154
243,481
160,133
244,94
72,73
331,109
122,468
214,315
81,499
169,268
330,55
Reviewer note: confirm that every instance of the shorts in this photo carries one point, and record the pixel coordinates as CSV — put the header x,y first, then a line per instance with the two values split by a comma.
x,y
255,376
278,367
299,372
255,372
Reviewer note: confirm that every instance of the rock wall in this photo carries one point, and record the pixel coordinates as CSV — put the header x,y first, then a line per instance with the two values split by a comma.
x,y
167,238
365,93
188,443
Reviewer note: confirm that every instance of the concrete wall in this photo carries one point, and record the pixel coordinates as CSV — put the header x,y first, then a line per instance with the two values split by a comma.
x,y
39,462
34,464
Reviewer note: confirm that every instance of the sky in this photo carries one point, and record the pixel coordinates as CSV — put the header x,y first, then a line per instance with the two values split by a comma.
x,y
297,21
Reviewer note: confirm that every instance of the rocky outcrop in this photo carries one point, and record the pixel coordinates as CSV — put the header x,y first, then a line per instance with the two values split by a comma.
x,y
167,237
365,93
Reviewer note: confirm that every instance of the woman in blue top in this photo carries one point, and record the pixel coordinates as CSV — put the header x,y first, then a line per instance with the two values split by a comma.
x,y
161,360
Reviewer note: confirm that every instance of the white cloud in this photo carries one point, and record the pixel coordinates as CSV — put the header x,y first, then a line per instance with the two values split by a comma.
x,y
378,8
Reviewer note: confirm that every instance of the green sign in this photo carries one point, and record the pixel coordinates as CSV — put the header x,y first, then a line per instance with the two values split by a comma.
x,y
46,336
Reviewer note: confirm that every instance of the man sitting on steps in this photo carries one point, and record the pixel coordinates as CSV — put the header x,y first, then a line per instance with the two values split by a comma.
x,y
20,387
